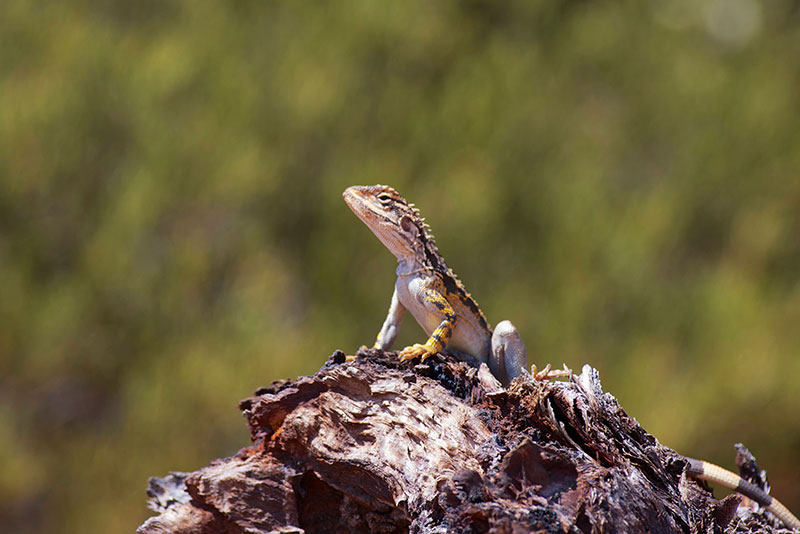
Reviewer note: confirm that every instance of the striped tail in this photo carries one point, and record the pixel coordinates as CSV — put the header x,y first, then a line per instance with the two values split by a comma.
x,y
713,473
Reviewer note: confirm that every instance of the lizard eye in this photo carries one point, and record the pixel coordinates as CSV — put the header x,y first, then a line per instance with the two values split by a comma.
x,y
384,198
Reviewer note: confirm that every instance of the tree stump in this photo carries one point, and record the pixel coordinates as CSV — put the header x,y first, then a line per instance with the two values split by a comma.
x,y
380,446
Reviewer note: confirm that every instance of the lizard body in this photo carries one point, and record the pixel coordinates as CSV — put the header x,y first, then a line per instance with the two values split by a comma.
x,y
430,290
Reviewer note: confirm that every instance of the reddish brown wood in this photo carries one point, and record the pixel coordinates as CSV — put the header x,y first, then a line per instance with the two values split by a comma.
x,y
380,446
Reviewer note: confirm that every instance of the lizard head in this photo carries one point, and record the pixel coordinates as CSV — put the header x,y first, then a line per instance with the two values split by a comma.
x,y
390,217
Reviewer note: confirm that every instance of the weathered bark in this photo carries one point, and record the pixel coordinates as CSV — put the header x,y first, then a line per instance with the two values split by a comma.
x,y
380,446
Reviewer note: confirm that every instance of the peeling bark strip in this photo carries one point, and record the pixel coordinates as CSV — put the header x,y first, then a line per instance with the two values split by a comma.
x,y
380,446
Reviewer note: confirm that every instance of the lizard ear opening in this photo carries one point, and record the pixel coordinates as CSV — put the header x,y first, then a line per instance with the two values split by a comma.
x,y
408,226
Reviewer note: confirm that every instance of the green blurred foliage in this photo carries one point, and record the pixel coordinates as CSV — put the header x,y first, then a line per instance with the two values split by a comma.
x,y
620,179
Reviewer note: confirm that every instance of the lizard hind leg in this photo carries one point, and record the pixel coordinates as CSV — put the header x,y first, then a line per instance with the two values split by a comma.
x,y
509,358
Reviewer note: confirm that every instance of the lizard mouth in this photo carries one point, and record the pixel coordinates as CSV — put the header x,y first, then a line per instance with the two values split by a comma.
x,y
360,200
351,197
354,197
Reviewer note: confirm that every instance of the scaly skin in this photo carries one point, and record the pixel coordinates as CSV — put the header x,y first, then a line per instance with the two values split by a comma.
x,y
430,290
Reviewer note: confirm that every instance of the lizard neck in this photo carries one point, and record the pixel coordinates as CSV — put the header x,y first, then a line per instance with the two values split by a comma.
x,y
410,265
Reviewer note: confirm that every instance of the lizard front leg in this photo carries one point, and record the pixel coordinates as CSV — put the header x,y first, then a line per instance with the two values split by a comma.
x,y
391,325
509,359
388,332
435,303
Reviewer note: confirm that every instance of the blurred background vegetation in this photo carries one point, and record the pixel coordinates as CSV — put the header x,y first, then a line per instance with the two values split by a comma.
x,y
620,179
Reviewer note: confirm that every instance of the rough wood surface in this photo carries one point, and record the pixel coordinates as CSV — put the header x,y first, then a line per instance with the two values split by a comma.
x,y
380,446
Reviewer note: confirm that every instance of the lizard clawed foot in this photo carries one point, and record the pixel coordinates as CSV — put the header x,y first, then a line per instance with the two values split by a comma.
x,y
416,350
548,373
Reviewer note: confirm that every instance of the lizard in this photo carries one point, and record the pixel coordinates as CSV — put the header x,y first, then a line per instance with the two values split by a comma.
x,y
446,311
431,291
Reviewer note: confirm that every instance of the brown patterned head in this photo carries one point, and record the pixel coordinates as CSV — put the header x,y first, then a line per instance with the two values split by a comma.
x,y
390,217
